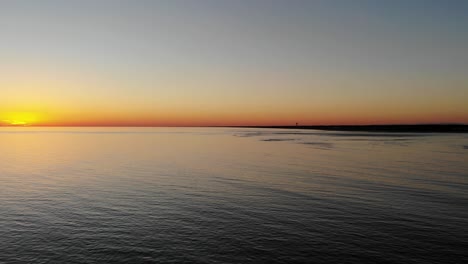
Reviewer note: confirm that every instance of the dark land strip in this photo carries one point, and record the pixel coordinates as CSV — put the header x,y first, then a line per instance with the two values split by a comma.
x,y
431,128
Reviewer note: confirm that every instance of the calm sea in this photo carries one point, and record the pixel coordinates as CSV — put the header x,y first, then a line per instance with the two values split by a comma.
x,y
223,195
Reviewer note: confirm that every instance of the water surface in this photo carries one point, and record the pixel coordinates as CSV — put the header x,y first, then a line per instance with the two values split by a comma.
x,y
214,195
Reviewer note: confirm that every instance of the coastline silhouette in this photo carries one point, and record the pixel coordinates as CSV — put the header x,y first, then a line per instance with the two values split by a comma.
x,y
424,128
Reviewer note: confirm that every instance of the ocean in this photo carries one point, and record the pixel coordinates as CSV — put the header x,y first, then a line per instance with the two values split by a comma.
x,y
231,195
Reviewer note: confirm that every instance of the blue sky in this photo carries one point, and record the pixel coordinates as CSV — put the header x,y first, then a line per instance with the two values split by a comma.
x,y
380,59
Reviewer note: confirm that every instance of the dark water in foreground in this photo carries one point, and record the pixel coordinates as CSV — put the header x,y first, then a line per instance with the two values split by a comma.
x,y
167,195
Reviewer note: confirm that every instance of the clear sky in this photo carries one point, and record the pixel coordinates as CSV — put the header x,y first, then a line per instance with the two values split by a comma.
x,y
243,62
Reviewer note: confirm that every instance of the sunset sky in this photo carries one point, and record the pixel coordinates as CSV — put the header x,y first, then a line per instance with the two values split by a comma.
x,y
246,62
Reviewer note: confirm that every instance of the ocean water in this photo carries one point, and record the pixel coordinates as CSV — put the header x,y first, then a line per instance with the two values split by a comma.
x,y
226,195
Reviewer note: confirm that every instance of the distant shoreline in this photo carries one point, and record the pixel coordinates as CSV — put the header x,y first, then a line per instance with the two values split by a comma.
x,y
380,128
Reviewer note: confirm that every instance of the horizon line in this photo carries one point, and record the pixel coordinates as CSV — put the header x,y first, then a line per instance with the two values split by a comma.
x,y
252,126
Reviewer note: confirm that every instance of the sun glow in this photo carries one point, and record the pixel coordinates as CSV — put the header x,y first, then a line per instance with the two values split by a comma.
x,y
19,119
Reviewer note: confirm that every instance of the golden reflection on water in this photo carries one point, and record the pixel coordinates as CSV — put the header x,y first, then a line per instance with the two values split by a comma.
x,y
74,157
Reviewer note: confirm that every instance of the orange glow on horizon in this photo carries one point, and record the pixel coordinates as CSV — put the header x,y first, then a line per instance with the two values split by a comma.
x,y
220,119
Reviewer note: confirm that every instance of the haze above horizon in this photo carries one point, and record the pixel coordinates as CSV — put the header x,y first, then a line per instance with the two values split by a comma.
x,y
233,63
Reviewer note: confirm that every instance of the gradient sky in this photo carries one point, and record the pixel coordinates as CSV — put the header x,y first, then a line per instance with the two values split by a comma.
x,y
245,62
